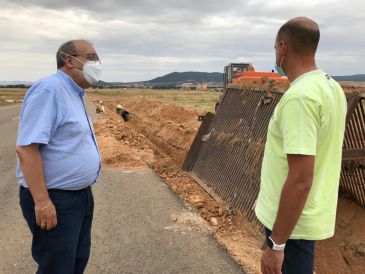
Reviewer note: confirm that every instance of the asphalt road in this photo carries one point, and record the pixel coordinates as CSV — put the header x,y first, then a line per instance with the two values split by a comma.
x,y
132,224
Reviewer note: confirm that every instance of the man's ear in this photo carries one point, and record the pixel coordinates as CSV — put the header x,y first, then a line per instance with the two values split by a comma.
x,y
68,61
283,47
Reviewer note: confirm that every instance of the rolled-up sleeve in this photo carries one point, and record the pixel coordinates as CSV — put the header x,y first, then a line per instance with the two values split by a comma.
x,y
38,117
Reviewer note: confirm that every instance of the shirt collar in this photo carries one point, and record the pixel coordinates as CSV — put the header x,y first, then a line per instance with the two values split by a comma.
x,y
306,74
74,86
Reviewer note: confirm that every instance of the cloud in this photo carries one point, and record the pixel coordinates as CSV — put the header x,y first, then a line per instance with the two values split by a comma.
x,y
142,39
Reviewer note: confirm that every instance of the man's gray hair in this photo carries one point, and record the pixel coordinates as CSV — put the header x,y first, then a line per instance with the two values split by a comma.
x,y
67,48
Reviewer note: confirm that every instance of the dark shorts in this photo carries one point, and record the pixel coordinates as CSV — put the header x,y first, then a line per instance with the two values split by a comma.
x,y
65,248
298,256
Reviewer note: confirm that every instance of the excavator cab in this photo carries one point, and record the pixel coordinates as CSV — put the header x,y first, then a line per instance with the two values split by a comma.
x,y
244,73
232,70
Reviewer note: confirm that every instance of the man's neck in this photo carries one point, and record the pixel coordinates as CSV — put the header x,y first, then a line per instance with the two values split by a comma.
x,y
72,74
299,66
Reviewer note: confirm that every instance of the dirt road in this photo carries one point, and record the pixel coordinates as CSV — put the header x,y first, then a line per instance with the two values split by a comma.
x,y
14,236
140,225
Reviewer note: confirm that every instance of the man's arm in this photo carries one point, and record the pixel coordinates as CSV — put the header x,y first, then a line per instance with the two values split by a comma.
x,y
293,196
32,168
292,201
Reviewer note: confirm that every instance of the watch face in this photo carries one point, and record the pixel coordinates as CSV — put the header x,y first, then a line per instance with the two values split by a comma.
x,y
269,242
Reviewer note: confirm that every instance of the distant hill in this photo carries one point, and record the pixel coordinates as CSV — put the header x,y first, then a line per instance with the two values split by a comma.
x,y
189,76
351,78
171,80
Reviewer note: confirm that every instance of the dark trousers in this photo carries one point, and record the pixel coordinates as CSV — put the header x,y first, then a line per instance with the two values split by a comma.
x,y
66,248
298,256
124,114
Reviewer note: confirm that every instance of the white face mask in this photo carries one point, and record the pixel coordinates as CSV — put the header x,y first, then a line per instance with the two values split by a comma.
x,y
91,70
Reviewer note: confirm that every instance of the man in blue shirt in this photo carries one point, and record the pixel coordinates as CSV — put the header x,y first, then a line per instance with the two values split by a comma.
x,y
59,160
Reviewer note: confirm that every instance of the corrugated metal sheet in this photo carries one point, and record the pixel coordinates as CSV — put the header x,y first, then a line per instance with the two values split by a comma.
x,y
352,182
227,152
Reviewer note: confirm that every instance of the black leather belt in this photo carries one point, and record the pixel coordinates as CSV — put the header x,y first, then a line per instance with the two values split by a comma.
x,y
59,190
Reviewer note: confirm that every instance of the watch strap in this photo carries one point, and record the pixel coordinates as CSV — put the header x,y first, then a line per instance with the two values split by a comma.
x,y
275,246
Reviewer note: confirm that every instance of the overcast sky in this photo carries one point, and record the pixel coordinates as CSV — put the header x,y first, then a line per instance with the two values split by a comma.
x,y
142,39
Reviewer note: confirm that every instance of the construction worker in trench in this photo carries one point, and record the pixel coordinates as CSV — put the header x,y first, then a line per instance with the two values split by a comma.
x,y
100,108
122,112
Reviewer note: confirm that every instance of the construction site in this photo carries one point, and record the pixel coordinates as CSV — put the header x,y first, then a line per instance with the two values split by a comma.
x,y
212,160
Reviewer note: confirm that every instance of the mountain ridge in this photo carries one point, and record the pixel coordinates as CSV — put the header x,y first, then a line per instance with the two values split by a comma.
x,y
189,76
351,78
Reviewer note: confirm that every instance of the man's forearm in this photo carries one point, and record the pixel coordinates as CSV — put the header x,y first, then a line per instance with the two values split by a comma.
x,y
32,168
292,202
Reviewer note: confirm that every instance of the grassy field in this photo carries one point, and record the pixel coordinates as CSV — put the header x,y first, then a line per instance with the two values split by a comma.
x,y
201,101
15,94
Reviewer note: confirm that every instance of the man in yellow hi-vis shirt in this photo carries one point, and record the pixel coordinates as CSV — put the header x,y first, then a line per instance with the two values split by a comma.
x,y
302,161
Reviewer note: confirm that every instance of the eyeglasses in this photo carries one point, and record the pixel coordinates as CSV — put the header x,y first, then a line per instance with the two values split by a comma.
x,y
90,56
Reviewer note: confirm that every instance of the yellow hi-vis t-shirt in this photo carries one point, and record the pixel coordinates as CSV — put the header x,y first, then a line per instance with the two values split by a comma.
x,y
308,120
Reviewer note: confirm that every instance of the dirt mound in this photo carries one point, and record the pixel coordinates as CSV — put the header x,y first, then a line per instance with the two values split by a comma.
x,y
120,146
170,128
162,112
353,86
188,221
263,83
345,252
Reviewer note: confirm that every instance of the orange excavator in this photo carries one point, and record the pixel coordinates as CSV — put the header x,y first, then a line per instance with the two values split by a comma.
x,y
244,74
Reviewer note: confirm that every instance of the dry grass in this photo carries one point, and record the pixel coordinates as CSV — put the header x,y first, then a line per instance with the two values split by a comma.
x,y
15,94
201,101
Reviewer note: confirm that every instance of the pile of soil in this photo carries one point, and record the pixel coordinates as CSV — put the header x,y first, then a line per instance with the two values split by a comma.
x,y
353,86
159,136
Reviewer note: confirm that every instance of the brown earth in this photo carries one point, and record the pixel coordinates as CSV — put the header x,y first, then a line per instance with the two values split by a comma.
x,y
353,86
159,136
282,86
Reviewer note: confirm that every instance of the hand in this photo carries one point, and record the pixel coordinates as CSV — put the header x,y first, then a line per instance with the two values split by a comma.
x,y
271,261
47,218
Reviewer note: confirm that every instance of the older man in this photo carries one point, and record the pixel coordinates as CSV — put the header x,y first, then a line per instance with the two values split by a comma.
x,y
302,160
59,161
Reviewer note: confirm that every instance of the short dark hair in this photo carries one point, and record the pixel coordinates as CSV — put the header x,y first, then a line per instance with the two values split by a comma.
x,y
302,34
66,48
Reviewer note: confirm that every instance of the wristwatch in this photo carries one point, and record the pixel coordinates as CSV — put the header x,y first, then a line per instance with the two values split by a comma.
x,y
275,246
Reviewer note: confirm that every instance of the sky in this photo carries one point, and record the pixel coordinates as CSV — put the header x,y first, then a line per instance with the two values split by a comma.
x,y
142,39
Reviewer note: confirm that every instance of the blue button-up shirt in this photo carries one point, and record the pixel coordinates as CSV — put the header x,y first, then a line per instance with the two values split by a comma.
x,y
53,115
